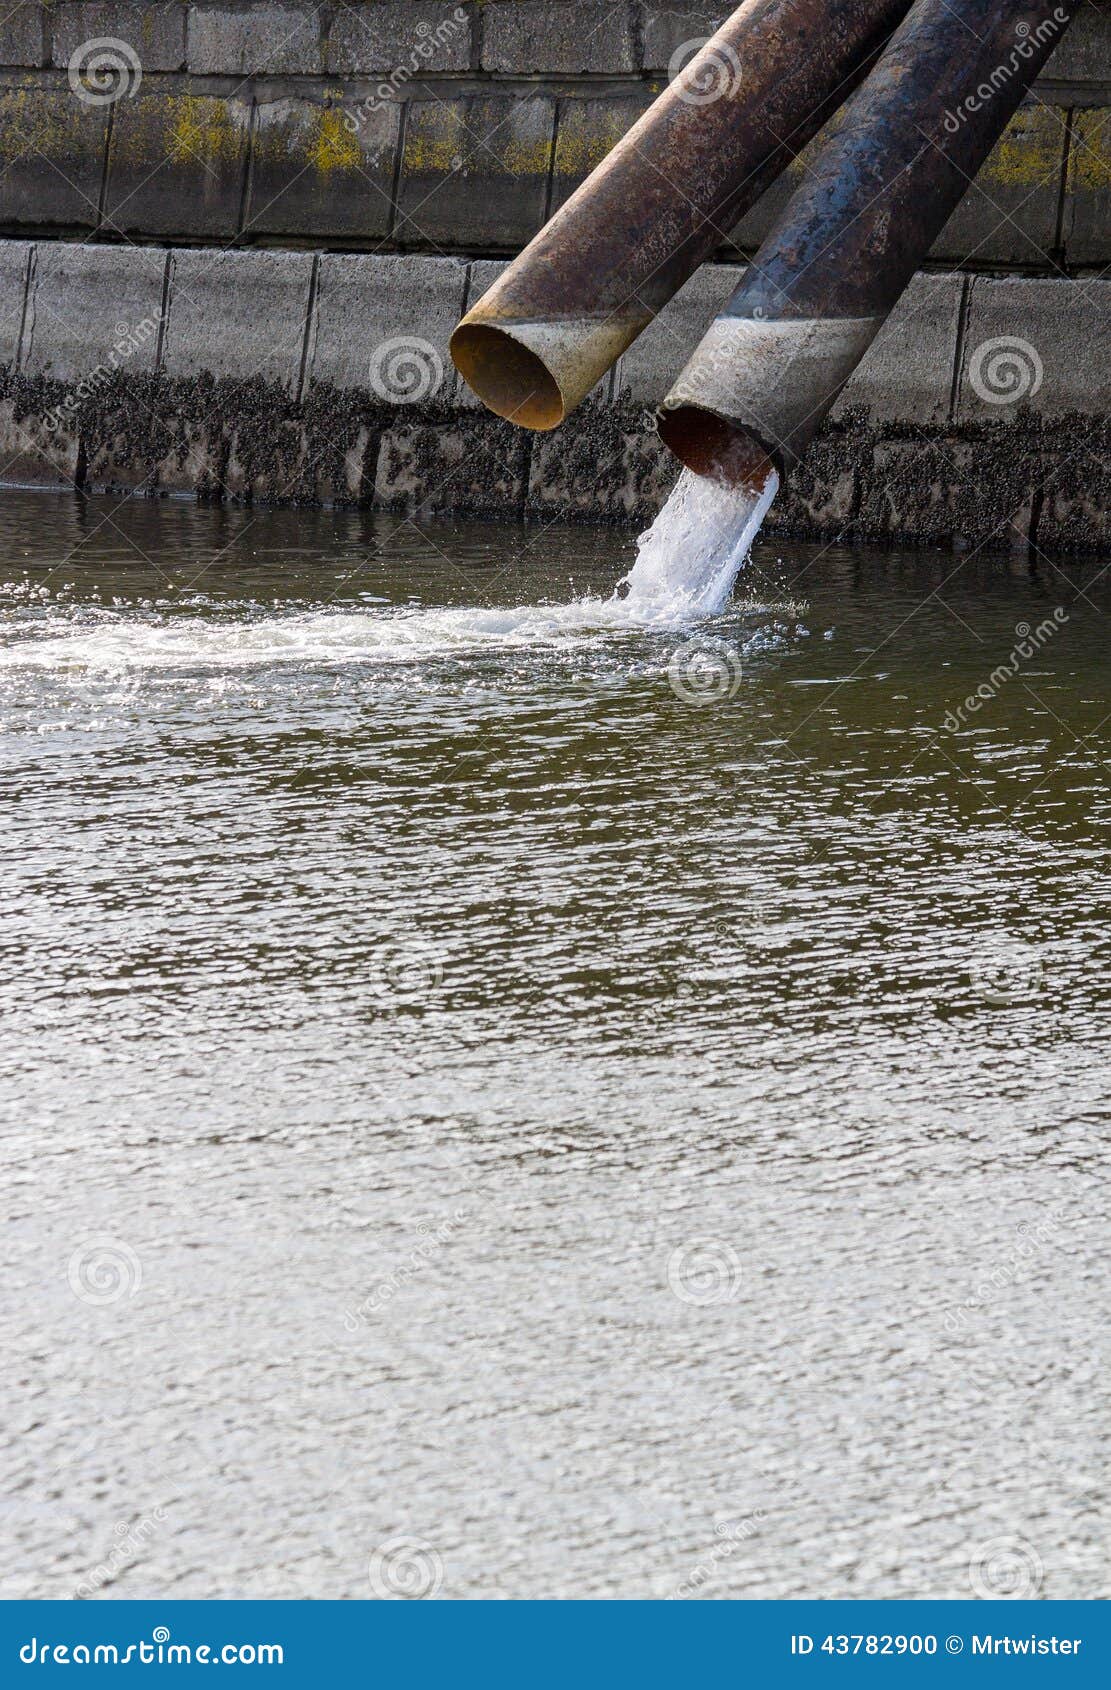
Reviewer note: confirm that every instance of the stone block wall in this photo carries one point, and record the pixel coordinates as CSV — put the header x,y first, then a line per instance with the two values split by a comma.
x,y
412,125
324,378
235,236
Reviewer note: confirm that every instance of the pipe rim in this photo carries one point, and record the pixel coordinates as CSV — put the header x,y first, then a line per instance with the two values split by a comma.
x,y
510,378
707,443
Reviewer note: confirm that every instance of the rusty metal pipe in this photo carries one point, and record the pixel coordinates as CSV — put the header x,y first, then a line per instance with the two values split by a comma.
x,y
875,199
670,191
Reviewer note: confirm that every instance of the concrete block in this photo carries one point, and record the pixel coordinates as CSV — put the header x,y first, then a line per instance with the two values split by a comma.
x,y
238,314
906,376
323,170
1086,227
194,459
24,35
820,496
561,37
667,31
480,165
51,158
254,40
383,324
93,310
600,467
155,32
177,165
478,465
588,130
1009,213
938,491
1085,53
1076,507
758,222
270,461
34,455
406,41
14,260
647,370
1031,348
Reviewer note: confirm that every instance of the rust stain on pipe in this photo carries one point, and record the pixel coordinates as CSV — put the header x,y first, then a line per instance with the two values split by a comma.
x,y
876,198
667,195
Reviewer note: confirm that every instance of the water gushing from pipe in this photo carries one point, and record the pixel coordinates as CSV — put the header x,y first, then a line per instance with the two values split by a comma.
x,y
690,556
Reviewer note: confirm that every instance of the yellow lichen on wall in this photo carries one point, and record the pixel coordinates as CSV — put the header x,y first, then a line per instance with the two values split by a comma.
x,y
445,138
1029,153
584,141
44,121
525,158
201,128
1090,161
332,147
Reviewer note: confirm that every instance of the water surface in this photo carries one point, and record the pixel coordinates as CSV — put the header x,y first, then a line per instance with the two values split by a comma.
x,y
508,1101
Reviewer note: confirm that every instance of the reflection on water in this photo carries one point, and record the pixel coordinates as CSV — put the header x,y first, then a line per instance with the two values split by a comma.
x,y
625,1105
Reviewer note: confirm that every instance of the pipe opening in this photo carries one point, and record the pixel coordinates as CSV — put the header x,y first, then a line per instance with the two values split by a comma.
x,y
510,380
709,445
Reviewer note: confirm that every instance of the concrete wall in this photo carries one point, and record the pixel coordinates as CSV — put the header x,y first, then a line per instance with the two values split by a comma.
x,y
418,125
232,265
979,416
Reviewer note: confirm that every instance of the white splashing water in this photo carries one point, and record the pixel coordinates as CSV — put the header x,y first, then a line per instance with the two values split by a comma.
x,y
689,558
685,567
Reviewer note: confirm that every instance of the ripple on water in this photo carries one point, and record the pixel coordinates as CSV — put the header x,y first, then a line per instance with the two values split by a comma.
x,y
488,1050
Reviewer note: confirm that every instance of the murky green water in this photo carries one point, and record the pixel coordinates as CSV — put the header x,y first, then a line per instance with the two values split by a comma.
x,y
629,1116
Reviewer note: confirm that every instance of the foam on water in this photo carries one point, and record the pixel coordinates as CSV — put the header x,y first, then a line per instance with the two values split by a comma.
x,y
685,567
